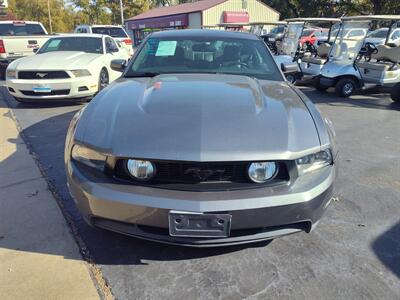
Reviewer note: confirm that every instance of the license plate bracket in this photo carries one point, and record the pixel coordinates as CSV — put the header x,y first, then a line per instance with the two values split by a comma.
x,y
189,224
42,89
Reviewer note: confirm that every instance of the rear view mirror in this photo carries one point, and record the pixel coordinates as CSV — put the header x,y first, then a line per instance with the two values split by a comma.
x,y
118,65
35,50
289,68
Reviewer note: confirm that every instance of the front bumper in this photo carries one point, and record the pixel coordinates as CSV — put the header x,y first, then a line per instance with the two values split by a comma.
x,y
80,87
328,82
257,214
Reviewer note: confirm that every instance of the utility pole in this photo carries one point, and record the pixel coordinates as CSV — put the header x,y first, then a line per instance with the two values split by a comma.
x,y
48,8
121,6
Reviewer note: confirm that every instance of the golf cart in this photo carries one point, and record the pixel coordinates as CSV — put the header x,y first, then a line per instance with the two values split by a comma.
x,y
287,64
288,51
356,64
271,32
315,44
292,49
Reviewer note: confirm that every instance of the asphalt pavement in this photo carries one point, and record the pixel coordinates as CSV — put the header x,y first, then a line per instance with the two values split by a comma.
x,y
354,253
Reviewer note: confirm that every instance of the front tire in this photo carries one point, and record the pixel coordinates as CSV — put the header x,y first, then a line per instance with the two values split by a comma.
x,y
395,93
104,79
345,87
291,78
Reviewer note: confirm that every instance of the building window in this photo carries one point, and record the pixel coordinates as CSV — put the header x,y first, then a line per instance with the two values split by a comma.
x,y
244,4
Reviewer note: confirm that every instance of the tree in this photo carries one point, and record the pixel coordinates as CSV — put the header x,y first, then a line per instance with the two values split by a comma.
x,y
37,10
332,8
93,11
131,8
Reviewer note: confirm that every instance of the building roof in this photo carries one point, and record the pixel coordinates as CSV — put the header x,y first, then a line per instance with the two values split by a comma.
x,y
178,9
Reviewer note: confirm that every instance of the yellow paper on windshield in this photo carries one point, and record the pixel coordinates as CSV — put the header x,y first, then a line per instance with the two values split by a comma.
x,y
166,48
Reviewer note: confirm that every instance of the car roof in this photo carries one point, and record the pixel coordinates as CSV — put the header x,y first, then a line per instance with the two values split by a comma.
x,y
106,26
93,35
19,22
203,33
382,29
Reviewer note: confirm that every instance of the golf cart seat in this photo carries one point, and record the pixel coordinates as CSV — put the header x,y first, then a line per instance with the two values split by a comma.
x,y
386,53
322,52
386,59
380,66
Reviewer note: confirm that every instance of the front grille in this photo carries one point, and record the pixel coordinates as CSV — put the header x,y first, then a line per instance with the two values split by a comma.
x,y
52,93
204,175
42,75
200,172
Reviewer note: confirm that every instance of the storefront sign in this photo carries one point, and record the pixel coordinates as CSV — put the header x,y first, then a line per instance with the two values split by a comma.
x,y
161,22
236,17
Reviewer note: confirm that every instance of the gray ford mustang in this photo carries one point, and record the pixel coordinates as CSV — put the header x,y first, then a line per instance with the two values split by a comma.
x,y
201,142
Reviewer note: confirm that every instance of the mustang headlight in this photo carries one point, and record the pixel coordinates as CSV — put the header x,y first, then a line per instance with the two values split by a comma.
x,y
261,172
80,73
142,170
10,73
88,157
314,161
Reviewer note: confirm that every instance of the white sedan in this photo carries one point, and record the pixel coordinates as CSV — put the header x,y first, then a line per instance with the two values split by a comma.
x,y
67,67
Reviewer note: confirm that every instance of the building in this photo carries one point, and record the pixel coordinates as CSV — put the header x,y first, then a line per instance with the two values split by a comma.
x,y
200,14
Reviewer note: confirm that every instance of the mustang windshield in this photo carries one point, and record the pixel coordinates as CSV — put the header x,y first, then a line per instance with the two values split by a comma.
x,y
205,55
114,32
307,32
278,29
84,44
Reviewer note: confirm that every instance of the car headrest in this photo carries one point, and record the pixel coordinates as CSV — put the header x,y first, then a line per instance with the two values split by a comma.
x,y
323,50
231,53
387,53
179,53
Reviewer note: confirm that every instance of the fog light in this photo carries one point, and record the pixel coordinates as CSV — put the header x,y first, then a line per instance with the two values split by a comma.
x,y
142,170
261,172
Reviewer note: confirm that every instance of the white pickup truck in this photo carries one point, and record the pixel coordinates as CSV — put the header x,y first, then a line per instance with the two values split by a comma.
x,y
118,33
19,39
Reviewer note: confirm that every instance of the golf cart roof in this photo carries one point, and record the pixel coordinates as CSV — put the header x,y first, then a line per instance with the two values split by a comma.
x,y
269,23
238,24
314,20
373,17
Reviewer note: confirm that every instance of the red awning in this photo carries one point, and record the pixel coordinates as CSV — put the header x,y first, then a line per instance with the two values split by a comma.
x,y
236,16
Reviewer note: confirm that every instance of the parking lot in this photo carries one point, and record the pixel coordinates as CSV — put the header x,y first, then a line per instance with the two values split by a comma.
x,y
353,254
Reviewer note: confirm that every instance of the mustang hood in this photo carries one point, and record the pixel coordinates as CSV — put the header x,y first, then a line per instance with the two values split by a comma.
x,y
199,118
58,60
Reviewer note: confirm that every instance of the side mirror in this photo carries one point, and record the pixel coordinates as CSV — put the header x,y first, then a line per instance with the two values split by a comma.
x,y
118,65
289,68
35,50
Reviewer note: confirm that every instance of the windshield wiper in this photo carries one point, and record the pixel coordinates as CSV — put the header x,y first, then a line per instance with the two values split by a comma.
x,y
142,74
